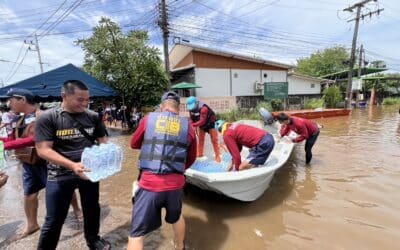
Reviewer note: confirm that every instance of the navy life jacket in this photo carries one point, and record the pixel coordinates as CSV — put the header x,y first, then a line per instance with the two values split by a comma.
x,y
210,119
165,144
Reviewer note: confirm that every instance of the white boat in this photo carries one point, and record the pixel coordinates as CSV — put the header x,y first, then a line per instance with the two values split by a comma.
x,y
246,185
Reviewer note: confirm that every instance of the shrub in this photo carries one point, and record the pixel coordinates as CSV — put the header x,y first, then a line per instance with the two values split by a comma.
x,y
266,105
231,116
276,104
391,101
332,96
235,114
314,103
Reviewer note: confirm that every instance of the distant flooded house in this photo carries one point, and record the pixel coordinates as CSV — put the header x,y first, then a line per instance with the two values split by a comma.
x,y
230,80
302,87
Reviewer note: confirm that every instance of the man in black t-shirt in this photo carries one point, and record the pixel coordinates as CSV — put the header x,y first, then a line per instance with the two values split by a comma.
x,y
60,141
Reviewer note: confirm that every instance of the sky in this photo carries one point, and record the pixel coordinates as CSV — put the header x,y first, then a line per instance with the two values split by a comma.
x,y
276,30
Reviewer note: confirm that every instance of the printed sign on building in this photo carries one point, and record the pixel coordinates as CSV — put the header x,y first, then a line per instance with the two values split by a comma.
x,y
275,90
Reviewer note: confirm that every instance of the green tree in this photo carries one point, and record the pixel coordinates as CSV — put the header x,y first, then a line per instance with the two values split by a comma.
x,y
324,62
332,96
125,62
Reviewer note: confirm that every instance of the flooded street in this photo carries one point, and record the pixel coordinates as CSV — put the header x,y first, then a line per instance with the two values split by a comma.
x,y
348,198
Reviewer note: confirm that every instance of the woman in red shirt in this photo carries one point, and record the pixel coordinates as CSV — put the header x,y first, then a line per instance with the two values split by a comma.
x,y
306,130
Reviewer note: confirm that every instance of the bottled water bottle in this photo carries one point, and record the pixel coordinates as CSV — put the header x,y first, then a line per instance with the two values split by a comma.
x,y
103,161
2,161
101,153
90,161
210,166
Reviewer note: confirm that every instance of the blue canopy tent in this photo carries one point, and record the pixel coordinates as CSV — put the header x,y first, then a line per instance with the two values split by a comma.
x,y
48,85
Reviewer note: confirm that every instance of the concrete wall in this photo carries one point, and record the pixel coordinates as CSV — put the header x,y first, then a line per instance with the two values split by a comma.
x,y
243,82
274,76
214,82
303,86
220,104
234,82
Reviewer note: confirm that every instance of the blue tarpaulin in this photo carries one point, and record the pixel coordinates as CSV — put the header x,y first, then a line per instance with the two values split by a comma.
x,y
48,84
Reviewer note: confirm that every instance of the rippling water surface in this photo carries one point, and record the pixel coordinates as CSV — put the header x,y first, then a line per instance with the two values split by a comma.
x,y
348,198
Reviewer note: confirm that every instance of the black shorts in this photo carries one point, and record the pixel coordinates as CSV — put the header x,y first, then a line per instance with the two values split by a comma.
x,y
146,212
34,178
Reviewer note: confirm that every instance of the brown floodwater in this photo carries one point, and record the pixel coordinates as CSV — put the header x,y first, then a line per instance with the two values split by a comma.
x,y
348,198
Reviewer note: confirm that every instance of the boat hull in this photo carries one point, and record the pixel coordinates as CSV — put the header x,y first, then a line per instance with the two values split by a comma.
x,y
314,114
248,190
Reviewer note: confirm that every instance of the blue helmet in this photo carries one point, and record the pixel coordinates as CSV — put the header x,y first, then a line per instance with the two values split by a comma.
x,y
219,124
191,102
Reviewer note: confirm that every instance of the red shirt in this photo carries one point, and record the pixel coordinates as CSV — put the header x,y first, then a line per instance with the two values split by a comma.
x,y
164,182
19,143
303,127
238,135
203,117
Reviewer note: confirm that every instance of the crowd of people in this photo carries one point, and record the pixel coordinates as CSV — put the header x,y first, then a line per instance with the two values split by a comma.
x,y
121,116
50,144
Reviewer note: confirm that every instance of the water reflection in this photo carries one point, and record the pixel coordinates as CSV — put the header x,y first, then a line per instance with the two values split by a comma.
x,y
304,193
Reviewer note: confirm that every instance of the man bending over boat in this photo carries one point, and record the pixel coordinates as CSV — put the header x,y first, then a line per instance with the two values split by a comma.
x,y
306,130
168,145
235,136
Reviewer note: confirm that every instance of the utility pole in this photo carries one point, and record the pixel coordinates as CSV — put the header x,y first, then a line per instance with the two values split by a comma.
x,y
357,6
38,51
360,66
163,23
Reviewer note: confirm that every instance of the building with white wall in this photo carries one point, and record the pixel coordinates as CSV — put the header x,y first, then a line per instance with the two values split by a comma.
x,y
222,74
304,85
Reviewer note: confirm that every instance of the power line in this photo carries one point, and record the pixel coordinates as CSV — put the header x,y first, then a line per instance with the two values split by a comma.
x,y
249,25
72,7
36,46
357,6
16,69
59,7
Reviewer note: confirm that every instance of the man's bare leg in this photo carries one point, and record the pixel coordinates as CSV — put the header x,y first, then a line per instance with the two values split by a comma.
x,y
31,204
77,211
135,243
179,233
245,165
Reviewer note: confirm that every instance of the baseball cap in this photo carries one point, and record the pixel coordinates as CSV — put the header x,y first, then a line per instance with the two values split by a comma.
x,y
17,92
191,102
171,95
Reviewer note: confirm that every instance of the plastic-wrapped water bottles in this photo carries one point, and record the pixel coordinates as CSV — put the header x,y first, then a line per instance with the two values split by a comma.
x,y
103,161
210,166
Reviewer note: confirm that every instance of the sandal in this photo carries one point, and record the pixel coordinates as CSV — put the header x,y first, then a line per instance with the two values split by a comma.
x,y
100,244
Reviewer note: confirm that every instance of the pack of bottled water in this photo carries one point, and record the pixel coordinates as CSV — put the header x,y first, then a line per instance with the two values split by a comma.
x,y
2,160
210,166
103,161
